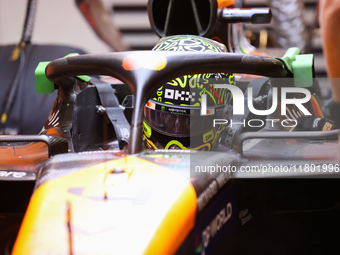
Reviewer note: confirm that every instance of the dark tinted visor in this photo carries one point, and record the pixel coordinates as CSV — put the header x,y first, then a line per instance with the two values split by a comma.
x,y
180,121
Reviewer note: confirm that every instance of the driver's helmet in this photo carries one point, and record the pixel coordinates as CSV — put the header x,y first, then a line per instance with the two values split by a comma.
x,y
172,117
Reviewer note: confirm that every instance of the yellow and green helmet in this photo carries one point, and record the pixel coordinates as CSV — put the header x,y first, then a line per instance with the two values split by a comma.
x,y
173,117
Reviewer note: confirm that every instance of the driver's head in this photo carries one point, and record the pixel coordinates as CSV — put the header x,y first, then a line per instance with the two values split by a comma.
x,y
172,117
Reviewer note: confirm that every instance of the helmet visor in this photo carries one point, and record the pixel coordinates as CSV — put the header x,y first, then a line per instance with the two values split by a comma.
x,y
181,121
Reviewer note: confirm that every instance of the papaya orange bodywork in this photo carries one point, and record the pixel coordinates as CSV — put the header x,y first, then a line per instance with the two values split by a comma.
x,y
104,213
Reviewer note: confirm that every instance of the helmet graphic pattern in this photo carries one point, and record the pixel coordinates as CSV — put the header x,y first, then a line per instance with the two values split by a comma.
x,y
172,115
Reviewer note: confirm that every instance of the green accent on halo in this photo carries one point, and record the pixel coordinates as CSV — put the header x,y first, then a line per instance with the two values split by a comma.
x,y
303,70
289,57
71,55
301,66
82,77
43,85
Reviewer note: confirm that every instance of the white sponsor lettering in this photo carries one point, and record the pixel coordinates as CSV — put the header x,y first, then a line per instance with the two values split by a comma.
x,y
12,174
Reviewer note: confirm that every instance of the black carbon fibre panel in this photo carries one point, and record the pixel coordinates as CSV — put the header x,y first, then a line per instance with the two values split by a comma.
x,y
61,165
87,130
58,145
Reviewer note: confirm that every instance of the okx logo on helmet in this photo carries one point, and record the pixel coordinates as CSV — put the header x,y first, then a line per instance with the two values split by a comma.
x,y
172,117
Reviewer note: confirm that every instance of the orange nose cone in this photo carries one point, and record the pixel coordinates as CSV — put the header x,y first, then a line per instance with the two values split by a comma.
x,y
149,60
